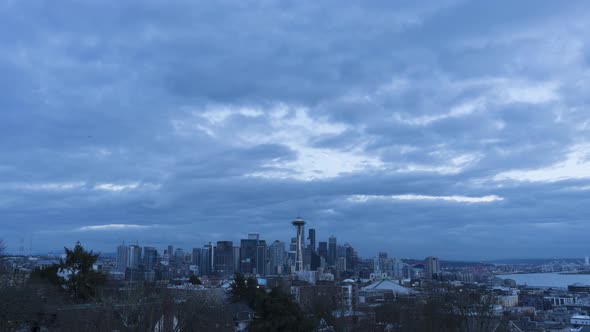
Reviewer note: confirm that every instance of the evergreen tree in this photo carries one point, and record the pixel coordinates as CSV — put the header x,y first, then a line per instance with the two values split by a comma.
x,y
82,281
195,280
74,274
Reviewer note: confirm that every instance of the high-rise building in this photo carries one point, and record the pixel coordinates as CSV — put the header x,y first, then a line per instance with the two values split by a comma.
x,y
237,267
170,253
261,258
397,268
307,258
349,257
323,250
150,258
248,255
212,258
206,261
196,257
121,258
178,257
311,238
340,265
276,256
224,258
314,261
253,236
432,268
133,256
332,250
299,225
340,251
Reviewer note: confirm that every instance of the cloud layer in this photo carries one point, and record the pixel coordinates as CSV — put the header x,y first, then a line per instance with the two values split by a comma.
x,y
457,129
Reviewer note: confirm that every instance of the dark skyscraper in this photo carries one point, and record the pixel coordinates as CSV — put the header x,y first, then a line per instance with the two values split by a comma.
x,y
121,258
196,257
332,250
323,250
170,253
178,258
276,256
432,267
206,252
261,258
150,258
133,256
248,255
224,258
314,261
311,238
349,257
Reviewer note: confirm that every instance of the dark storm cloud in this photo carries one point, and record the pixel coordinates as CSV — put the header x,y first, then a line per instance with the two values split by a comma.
x,y
458,129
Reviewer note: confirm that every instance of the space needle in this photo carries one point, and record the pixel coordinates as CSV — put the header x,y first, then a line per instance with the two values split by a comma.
x,y
299,223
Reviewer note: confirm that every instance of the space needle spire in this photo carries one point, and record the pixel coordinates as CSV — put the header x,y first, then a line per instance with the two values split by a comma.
x,y
299,223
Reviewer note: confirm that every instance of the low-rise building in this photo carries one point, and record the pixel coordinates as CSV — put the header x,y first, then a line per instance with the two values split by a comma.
x,y
580,320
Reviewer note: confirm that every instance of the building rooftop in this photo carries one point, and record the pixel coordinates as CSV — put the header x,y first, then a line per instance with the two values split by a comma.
x,y
387,285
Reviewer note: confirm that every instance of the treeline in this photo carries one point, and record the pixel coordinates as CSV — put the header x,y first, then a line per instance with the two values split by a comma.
x,y
71,296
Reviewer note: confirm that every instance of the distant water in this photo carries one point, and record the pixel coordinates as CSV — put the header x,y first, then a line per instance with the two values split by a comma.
x,y
548,279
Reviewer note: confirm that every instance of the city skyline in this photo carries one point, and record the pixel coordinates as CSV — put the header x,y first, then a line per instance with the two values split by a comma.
x,y
453,129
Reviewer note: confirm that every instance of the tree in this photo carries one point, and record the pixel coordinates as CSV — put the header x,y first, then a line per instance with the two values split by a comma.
x,y
75,274
81,280
245,290
195,280
276,311
204,311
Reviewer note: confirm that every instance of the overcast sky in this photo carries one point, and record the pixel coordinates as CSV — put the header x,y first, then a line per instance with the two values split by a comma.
x,y
448,128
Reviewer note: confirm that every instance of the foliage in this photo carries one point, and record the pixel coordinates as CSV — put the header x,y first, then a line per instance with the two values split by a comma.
x,y
245,290
204,311
195,280
75,274
83,281
442,309
274,311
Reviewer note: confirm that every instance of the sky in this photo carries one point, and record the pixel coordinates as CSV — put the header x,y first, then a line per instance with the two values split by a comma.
x,y
459,129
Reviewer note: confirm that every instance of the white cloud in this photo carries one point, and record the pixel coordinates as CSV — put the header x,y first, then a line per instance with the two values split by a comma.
x,y
291,126
110,227
460,110
314,163
450,163
115,187
510,91
219,113
128,186
493,91
576,166
413,197
578,188
47,186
